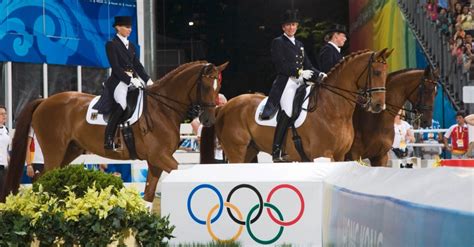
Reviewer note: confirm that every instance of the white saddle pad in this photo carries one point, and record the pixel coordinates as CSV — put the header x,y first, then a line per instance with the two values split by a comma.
x,y
273,122
93,117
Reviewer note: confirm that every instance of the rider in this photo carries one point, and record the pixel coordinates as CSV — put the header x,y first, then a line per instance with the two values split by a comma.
x,y
330,53
293,67
126,71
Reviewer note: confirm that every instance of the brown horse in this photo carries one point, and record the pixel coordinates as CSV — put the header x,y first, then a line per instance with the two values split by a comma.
x,y
327,131
64,134
374,132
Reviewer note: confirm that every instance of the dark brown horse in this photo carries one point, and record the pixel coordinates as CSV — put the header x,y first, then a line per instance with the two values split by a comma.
x,y
63,133
327,131
374,132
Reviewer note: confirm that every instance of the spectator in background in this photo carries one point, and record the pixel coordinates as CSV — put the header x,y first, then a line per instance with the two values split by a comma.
x,y
467,58
432,138
468,40
34,158
4,144
458,134
466,20
443,22
403,136
432,9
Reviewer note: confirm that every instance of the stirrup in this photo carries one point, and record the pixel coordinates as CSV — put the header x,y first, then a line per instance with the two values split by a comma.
x,y
279,156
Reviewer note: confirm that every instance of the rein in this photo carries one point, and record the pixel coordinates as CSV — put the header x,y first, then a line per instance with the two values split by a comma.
x,y
419,106
193,107
365,95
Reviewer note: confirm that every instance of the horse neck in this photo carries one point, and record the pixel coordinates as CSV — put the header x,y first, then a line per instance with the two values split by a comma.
x,y
400,87
343,77
176,94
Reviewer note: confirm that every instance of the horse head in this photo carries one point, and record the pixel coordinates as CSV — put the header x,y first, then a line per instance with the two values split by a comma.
x,y
373,88
207,90
424,96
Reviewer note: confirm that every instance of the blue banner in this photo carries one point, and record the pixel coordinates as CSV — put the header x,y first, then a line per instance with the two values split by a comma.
x,y
69,32
358,219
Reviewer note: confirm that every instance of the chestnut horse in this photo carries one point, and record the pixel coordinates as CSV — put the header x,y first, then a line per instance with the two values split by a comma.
x,y
327,130
63,133
374,132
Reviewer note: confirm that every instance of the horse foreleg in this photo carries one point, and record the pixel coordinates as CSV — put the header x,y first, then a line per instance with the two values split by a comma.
x,y
380,160
154,174
251,155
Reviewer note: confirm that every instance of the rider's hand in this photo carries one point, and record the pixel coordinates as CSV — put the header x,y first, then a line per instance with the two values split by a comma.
x,y
307,74
149,82
136,82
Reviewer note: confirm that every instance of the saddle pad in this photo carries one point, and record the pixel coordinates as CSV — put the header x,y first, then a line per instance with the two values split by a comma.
x,y
273,122
93,117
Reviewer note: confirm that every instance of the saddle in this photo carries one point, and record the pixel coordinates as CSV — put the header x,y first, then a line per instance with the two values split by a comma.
x,y
300,104
132,113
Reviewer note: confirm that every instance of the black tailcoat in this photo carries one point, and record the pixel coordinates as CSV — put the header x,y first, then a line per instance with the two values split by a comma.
x,y
328,57
288,59
121,60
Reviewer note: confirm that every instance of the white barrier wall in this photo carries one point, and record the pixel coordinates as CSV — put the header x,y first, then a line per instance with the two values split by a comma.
x,y
399,207
282,202
345,204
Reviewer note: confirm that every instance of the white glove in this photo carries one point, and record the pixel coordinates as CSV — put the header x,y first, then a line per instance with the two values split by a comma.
x,y
322,75
149,82
306,74
136,82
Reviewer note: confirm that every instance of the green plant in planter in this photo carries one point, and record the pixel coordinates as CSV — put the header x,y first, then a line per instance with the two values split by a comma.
x,y
77,178
79,215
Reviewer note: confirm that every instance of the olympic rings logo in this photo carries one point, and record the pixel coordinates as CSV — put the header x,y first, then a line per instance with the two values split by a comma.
x,y
249,219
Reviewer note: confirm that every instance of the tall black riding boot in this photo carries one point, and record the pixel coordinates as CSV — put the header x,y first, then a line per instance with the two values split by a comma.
x,y
280,133
112,127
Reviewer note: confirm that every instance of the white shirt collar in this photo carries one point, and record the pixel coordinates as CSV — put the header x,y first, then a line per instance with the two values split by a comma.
x,y
292,39
337,47
123,39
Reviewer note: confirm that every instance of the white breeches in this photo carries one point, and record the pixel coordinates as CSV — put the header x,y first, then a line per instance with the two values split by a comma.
x,y
120,94
286,100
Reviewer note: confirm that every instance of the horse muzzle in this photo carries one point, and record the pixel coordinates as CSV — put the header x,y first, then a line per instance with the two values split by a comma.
x,y
207,118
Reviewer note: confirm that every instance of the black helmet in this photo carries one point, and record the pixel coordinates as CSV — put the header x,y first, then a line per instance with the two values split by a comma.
x,y
336,28
123,21
290,16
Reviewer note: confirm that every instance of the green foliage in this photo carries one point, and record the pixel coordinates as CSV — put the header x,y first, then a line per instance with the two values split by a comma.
x,y
151,229
94,214
77,178
14,228
312,32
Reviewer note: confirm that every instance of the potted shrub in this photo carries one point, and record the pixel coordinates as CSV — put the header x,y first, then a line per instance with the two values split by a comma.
x,y
74,206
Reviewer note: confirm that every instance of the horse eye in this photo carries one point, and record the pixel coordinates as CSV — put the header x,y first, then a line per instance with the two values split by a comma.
x,y
215,84
377,72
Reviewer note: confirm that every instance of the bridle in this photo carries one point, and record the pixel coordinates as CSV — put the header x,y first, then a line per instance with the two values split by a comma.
x,y
362,97
419,107
193,109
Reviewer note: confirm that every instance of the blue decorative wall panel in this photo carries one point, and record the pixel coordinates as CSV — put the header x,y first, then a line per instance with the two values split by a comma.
x,y
69,32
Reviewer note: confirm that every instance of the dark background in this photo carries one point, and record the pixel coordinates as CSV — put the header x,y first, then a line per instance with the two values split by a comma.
x,y
239,31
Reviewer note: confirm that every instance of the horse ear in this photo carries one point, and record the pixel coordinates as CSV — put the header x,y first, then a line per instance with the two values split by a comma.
x,y
380,53
388,53
222,66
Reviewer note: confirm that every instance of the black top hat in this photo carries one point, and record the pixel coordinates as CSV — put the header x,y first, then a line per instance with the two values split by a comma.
x,y
336,28
290,16
123,21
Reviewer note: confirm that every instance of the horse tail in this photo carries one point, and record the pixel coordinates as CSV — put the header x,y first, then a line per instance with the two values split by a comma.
x,y
18,150
208,143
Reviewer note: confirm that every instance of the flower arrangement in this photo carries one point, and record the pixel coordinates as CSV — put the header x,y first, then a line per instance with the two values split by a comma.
x,y
95,215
